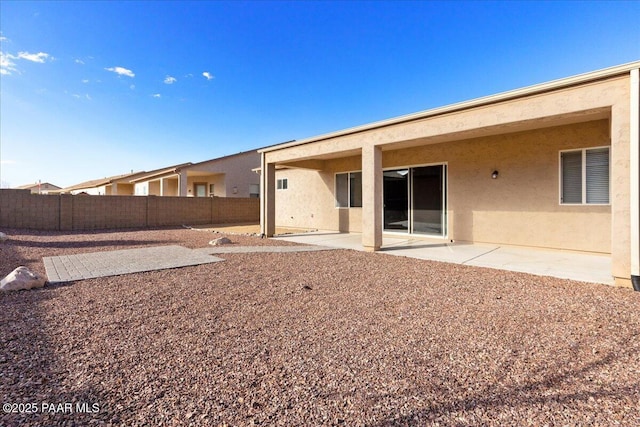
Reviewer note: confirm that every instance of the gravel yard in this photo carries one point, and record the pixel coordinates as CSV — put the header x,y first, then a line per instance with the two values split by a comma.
x,y
310,338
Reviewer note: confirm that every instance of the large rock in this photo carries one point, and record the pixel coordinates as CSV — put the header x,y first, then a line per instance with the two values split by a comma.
x,y
21,278
3,237
220,241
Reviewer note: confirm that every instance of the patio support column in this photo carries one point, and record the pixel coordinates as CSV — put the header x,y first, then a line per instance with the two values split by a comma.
x,y
621,191
635,178
371,197
267,197
162,186
182,184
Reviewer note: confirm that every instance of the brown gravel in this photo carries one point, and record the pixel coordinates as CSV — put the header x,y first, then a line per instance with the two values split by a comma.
x,y
312,338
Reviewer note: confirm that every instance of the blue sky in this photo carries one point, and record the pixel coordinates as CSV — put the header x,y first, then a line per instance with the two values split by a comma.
x,y
94,89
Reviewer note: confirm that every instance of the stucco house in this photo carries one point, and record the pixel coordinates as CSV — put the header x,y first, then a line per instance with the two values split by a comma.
x,y
39,188
228,176
117,185
555,165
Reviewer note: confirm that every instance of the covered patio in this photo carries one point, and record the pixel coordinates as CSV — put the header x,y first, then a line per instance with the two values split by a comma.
x,y
551,167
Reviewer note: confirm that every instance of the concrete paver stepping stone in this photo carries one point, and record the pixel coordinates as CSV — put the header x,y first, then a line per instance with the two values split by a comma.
x,y
67,268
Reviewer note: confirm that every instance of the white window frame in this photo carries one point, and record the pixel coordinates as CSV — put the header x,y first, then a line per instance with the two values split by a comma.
x,y
445,201
583,153
282,183
335,189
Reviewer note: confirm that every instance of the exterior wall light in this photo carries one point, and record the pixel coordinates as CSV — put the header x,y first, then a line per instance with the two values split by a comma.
x,y
235,190
494,175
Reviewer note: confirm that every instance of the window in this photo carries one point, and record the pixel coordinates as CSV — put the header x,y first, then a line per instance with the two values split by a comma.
x,y
283,184
254,191
584,176
349,190
342,190
141,189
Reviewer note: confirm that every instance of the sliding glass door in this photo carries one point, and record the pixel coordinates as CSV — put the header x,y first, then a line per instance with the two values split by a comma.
x,y
396,200
415,200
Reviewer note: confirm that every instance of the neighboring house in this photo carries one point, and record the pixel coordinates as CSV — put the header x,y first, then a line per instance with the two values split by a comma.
x,y
118,185
40,188
158,182
555,165
229,176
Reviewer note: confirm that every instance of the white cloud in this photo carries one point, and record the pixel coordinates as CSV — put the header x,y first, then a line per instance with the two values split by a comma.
x,y
79,61
170,80
132,87
208,75
121,71
85,80
40,57
7,66
8,162
157,95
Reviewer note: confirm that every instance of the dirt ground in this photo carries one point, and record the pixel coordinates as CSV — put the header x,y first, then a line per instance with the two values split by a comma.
x,y
310,338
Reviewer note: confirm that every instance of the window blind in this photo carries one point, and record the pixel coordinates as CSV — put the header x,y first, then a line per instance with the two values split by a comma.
x,y
572,177
597,165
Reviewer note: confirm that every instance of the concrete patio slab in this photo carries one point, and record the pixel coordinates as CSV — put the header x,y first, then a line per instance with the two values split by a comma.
x,y
69,268
566,265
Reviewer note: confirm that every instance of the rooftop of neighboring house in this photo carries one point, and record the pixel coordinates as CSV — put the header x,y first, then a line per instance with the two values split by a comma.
x,y
167,170
41,185
100,182
172,170
147,175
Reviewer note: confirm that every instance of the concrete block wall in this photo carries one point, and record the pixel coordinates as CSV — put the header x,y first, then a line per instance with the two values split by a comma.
x,y
183,210
229,210
21,209
106,212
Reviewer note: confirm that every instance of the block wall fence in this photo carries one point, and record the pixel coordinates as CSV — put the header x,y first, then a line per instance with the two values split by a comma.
x,y
21,209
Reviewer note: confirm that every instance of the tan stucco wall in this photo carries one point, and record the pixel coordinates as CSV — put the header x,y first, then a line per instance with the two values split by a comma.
x,y
309,200
521,207
122,189
154,188
170,186
219,188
